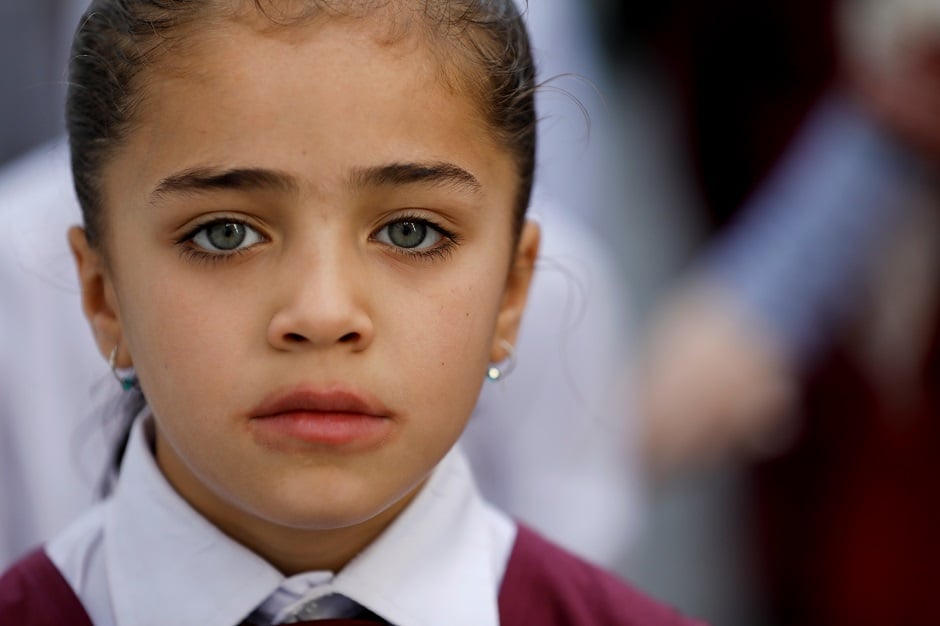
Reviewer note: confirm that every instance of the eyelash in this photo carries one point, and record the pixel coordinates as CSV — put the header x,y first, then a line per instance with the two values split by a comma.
x,y
191,253
449,241
447,245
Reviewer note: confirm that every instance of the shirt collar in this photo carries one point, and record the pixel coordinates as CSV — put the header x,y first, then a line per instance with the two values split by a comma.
x,y
168,564
440,562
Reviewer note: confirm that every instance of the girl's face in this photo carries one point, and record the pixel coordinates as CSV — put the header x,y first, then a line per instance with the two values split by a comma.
x,y
308,237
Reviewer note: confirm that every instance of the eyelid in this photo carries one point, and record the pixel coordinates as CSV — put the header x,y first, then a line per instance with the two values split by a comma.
x,y
198,252
203,223
448,239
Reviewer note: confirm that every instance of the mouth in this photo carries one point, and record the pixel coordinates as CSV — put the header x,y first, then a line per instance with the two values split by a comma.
x,y
334,418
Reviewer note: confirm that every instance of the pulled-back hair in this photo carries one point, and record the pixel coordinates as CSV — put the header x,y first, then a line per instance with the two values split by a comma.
x,y
483,46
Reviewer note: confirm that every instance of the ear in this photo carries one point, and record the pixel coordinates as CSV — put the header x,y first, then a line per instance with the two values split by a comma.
x,y
517,290
98,299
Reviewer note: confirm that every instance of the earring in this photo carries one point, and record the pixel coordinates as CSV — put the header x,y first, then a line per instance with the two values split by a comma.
x,y
497,372
127,382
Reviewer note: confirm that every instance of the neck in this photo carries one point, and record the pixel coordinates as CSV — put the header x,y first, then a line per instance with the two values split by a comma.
x,y
293,550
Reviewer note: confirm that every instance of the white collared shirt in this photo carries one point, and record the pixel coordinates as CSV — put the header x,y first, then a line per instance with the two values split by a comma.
x,y
145,557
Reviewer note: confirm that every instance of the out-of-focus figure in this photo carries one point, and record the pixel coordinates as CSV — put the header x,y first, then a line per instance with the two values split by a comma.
x,y
51,447
770,292
807,336
46,364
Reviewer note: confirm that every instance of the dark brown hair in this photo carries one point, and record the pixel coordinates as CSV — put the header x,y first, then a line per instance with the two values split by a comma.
x,y
483,46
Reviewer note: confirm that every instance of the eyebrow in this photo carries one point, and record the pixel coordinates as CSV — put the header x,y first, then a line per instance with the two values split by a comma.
x,y
205,179
438,174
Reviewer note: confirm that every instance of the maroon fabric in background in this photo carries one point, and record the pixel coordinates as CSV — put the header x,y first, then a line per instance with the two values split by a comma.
x,y
851,516
543,586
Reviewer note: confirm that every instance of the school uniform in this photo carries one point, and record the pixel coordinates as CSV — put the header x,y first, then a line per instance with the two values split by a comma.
x,y
146,557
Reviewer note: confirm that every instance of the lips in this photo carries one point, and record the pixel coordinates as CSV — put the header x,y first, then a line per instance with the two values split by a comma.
x,y
339,418
325,401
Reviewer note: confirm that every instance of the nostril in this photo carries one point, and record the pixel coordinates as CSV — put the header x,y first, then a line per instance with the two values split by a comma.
x,y
349,338
295,338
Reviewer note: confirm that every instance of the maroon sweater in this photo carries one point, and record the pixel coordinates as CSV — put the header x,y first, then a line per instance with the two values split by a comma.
x,y
543,586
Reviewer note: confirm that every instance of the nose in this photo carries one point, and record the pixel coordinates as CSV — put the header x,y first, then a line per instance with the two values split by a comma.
x,y
322,301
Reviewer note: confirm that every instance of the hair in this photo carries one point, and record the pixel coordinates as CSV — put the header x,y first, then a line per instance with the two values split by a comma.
x,y
482,46
486,41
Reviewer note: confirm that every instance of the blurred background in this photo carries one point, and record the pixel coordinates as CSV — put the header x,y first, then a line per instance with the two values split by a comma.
x,y
755,184
34,49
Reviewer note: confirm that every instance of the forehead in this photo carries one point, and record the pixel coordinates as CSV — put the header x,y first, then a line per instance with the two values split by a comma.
x,y
322,95
401,26
229,46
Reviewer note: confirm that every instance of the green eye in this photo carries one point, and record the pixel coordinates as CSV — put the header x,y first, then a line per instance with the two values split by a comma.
x,y
410,234
226,236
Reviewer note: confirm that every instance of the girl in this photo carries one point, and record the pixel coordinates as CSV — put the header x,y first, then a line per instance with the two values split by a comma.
x,y
304,231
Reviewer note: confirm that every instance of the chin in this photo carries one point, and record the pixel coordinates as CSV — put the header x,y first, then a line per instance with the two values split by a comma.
x,y
317,512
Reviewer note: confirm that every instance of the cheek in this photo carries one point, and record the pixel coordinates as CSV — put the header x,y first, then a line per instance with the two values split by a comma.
x,y
181,337
455,341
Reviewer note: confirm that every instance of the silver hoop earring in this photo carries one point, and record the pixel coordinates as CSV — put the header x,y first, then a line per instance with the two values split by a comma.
x,y
127,382
501,370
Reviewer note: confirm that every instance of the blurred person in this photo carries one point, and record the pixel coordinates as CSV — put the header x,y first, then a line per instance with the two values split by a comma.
x,y
821,301
752,81
750,315
46,370
770,292
49,371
